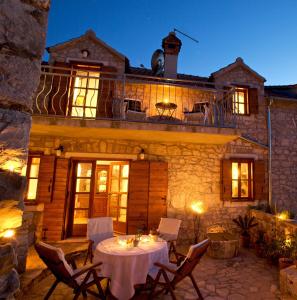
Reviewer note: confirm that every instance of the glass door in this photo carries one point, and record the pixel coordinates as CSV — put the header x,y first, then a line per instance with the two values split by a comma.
x,y
118,195
82,197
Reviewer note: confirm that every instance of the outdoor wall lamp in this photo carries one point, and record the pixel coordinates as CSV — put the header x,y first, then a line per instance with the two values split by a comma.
x,y
141,154
59,150
85,53
198,209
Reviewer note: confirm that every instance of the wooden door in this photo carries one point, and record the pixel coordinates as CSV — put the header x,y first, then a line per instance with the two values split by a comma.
x,y
118,195
158,186
82,193
138,195
100,191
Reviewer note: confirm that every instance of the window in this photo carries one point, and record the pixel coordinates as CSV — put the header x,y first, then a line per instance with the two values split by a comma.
x,y
240,101
32,177
85,94
242,180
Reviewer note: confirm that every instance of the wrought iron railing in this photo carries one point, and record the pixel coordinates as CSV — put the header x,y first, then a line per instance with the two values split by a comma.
x,y
87,94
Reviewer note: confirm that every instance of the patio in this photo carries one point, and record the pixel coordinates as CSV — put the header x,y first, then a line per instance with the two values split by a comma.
x,y
243,277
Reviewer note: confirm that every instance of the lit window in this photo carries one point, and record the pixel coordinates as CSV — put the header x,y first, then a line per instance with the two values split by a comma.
x,y
85,94
32,177
242,180
240,101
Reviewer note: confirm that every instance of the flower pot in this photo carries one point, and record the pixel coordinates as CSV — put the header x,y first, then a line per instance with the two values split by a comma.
x,y
245,241
284,262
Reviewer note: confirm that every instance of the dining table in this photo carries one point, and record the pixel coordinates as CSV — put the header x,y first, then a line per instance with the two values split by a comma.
x,y
127,265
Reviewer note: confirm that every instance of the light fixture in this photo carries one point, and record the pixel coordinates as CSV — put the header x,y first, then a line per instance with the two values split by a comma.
x,y
141,154
59,150
7,234
85,53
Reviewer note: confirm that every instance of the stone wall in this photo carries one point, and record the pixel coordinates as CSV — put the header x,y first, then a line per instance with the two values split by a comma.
x,y
193,172
284,154
22,41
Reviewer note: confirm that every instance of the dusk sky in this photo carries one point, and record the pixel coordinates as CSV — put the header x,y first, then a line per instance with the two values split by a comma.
x,y
262,32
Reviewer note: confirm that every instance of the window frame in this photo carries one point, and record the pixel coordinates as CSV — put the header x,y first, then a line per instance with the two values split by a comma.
x,y
28,170
251,180
246,102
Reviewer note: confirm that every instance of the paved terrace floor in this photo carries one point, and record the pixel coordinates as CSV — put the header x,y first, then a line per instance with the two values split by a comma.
x,y
244,277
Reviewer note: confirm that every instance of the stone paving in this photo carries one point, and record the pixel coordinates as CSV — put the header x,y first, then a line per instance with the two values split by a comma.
x,y
242,278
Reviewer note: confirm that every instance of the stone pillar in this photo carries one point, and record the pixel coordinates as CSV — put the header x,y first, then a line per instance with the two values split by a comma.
x,y
23,26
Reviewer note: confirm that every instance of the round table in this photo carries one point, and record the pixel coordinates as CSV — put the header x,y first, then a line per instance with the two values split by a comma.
x,y
127,267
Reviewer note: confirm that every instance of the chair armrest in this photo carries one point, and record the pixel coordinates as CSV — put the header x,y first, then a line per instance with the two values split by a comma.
x,y
164,267
86,269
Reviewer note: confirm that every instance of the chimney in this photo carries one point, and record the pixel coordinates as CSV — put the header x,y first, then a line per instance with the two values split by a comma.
x,y
171,46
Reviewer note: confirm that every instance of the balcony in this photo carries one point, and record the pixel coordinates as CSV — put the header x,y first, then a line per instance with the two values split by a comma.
x,y
101,101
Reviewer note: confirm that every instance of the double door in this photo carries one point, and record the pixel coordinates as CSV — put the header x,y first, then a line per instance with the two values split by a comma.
x,y
98,190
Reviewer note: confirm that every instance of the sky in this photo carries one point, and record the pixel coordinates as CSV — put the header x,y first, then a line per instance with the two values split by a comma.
x,y
262,32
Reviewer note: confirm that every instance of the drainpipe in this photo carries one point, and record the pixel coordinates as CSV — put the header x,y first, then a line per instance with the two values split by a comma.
x,y
269,152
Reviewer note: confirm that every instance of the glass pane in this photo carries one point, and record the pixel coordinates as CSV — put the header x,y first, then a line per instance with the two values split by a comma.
x,y
241,108
234,170
113,212
114,185
84,170
77,112
125,171
79,100
113,200
34,170
123,215
82,201
102,188
123,200
244,189
244,170
234,188
124,185
90,112
83,185
80,216
115,170
32,189
80,82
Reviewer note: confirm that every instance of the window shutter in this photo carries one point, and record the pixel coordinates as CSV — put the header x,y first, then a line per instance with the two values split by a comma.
x,y
138,195
157,207
46,178
59,91
226,180
253,100
259,180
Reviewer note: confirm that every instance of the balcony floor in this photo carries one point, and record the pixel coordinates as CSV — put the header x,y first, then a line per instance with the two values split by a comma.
x,y
141,131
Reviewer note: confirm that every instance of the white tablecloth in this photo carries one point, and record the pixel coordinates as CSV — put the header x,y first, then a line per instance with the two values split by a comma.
x,y
128,266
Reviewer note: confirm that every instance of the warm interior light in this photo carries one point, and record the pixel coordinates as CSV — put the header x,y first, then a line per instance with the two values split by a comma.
x,y
234,170
165,100
198,207
12,166
284,215
9,233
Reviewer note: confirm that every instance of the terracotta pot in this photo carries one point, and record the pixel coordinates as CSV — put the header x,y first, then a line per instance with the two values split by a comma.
x,y
284,262
245,241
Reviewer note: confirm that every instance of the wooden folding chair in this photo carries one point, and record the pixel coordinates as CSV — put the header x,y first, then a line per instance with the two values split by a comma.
x,y
168,276
79,279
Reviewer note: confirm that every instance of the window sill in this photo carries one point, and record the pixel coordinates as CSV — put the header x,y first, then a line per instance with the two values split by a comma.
x,y
33,206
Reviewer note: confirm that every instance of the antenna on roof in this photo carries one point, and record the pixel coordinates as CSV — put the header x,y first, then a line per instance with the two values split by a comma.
x,y
186,35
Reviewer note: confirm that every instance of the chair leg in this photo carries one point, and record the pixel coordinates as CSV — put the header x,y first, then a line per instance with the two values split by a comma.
x,y
168,285
51,289
84,292
77,293
196,287
89,254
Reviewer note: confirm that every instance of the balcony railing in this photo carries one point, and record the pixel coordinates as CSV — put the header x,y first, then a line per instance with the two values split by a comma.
x,y
88,94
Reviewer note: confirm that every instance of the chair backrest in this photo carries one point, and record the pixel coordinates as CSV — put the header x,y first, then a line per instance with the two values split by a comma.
x,y
169,228
99,229
193,257
54,259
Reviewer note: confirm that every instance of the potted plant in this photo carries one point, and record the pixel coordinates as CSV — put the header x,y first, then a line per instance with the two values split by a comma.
x,y
245,224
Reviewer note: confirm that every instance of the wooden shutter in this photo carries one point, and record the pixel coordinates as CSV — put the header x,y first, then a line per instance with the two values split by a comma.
x,y
46,178
158,186
138,195
259,180
253,100
226,180
54,211
59,92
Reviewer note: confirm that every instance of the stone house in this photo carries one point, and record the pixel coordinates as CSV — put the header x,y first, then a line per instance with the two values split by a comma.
x,y
138,144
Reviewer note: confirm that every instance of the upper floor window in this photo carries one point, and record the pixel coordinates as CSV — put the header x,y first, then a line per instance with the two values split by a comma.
x,y
32,177
241,101
242,179
84,94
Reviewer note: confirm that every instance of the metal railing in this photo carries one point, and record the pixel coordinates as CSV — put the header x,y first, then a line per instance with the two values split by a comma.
x,y
87,94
